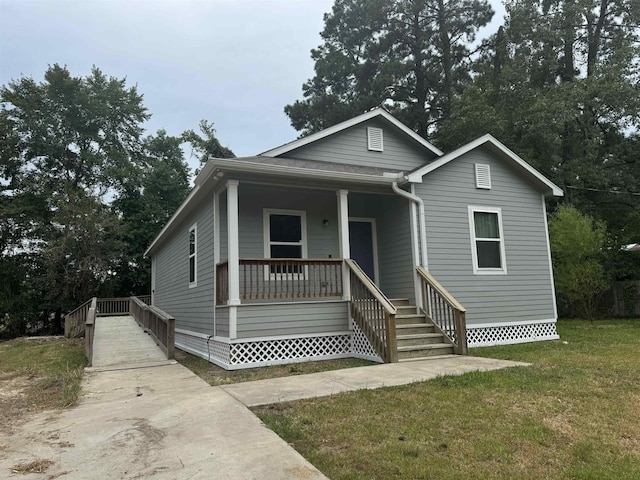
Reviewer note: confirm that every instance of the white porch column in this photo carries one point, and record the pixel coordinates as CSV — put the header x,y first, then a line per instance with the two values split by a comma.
x,y
343,234
233,250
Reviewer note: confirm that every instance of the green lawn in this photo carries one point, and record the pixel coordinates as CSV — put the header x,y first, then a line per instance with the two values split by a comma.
x,y
574,414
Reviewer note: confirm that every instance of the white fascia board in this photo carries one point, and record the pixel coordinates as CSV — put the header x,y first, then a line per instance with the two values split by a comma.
x,y
173,218
376,112
416,176
249,167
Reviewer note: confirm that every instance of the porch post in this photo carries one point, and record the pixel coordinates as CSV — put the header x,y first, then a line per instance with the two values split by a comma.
x,y
233,250
343,234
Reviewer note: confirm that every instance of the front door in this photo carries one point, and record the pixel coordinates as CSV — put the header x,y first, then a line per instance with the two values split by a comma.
x,y
362,241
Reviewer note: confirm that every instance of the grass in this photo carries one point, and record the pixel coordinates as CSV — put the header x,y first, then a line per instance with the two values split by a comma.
x,y
575,413
38,374
214,375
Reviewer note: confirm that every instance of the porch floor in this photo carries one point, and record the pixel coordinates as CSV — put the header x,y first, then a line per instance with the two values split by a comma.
x,y
286,389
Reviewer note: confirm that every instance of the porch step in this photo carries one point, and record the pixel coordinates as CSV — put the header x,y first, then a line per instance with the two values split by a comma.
x,y
431,350
419,339
414,329
411,318
405,309
400,302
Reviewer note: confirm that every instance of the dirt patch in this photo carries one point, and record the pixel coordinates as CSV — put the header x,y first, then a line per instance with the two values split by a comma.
x,y
14,399
37,466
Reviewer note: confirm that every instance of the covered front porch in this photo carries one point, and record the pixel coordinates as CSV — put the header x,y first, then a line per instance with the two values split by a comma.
x,y
307,272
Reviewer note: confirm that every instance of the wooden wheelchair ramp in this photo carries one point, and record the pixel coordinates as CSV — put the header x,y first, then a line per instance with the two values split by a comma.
x,y
119,342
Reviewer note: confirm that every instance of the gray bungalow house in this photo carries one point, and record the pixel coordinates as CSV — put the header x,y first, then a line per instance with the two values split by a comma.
x,y
361,240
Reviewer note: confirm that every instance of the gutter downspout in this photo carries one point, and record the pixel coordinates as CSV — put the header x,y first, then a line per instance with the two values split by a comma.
x,y
422,234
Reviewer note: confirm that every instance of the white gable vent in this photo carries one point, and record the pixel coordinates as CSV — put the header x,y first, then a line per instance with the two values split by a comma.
x,y
374,139
483,176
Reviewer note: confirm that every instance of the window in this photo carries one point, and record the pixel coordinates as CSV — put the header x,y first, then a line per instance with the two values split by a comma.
x,y
375,139
285,237
193,256
487,243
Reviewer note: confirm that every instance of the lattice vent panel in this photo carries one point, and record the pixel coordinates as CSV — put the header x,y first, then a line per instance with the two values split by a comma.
x,y
478,337
289,349
361,345
198,346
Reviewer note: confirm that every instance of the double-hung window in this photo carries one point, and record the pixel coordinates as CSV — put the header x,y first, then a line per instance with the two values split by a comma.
x,y
285,237
193,255
487,241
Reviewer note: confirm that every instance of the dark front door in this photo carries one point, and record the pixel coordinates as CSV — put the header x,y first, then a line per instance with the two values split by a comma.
x,y
361,241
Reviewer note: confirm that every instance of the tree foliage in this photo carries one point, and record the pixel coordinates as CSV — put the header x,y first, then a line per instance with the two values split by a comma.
x,y
82,193
412,56
577,248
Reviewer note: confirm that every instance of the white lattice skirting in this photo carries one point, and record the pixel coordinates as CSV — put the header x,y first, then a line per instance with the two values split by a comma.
x,y
264,352
508,334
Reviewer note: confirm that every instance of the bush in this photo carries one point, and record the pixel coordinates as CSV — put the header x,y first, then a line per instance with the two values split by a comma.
x,y
577,243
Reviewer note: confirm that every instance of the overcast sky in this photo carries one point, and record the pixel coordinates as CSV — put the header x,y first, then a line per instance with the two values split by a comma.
x,y
235,63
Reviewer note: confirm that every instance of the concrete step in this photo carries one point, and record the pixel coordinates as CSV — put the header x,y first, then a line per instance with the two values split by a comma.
x,y
431,350
411,318
419,339
414,329
399,302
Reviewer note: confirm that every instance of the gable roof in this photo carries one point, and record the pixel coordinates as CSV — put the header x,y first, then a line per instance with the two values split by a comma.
x,y
379,113
502,151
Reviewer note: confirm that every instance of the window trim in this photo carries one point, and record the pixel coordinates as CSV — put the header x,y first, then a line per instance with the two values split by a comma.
x,y
266,213
474,247
193,228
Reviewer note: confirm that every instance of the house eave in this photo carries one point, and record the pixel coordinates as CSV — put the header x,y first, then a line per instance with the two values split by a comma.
x,y
209,176
376,112
289,171
549,188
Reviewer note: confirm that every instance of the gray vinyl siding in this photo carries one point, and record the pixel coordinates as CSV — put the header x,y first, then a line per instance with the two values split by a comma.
x,y
350,146
395,259
292,319
319,205
222,321
525,292
191,307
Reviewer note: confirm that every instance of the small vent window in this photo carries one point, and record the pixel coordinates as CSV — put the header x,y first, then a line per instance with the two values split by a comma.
x,y
374,139
483,176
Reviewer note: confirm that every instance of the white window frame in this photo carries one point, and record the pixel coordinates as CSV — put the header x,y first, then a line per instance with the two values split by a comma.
x,y
474,248
267,212
193,228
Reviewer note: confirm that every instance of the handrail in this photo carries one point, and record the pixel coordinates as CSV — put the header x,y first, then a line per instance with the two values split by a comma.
x,y
373,313
157,323
444,310
373,288
74,321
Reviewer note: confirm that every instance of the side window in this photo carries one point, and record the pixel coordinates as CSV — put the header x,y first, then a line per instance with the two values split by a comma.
x,y
487,241
193,256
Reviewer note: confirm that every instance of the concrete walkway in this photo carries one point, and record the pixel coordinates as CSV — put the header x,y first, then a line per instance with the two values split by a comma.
x,y
152,418
286,389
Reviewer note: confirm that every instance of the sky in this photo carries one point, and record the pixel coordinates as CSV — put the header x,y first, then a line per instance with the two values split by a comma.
x,y
236,63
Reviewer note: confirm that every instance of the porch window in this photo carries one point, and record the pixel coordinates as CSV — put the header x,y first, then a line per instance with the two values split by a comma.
x,y
193,255
285,237
487,242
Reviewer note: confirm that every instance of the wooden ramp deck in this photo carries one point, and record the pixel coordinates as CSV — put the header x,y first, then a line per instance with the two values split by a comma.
x,y
120,342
